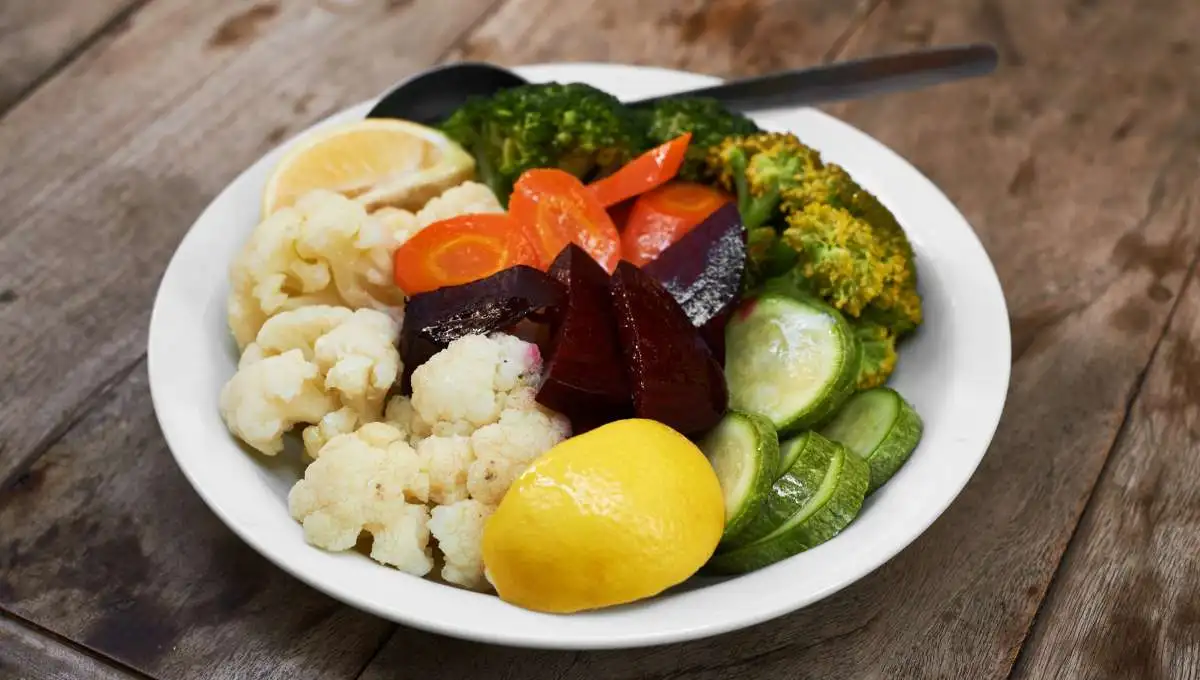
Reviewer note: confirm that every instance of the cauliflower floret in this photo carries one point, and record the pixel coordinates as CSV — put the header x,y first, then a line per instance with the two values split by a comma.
x,y
323,250
458,528
447,460
465,199
342,421
348,357
269,395
372,481
504,449
468,384
400,413
360,361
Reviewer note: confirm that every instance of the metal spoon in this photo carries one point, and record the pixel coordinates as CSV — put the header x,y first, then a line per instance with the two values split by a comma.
x,y
430,96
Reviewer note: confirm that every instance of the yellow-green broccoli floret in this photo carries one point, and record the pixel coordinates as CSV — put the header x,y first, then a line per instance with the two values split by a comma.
x,y
760,168
895,303
840,256
878,353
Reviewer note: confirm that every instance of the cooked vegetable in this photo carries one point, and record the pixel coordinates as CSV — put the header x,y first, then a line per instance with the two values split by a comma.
x,y
460,250
558,209
368,481
708,121
574,127
674,378
435,319
744,451
324,250
823,515
649,170
848,247
585,375
789,357
307,363
760,168
878,353
458,528
662,216
703,269
880,427
807,458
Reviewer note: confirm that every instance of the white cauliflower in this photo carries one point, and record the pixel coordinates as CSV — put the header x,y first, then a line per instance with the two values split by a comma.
x,y
468,384
458,528
370,480
465,199
345,356
504,449
400,413
342,421
269,395
323,250
447,460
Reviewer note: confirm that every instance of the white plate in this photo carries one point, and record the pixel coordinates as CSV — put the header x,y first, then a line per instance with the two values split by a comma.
x,y
955,371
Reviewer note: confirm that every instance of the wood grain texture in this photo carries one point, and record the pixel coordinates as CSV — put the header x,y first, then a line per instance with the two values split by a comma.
x,y
104,543
107,166
26,654
1083,203
1126,603
721,37
37,35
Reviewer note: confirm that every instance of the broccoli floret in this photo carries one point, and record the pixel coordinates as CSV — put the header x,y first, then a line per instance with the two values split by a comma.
x,y
760,168
878,353
851,250
709,122
575,127
897,305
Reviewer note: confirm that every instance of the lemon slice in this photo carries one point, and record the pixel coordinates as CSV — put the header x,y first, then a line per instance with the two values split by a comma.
x,y
377,161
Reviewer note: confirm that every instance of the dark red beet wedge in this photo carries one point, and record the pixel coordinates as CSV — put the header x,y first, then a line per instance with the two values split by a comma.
x,y
703,270
585,375
432,320
674,377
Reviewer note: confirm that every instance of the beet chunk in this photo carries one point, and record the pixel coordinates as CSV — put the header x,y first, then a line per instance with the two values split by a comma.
x,y
585,374
703,270
674,377
432,320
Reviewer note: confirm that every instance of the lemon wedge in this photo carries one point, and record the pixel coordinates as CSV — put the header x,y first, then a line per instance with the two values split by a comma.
x,y
377,162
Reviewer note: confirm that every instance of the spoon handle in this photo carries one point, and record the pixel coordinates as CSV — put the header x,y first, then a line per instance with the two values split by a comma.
x,y
849,79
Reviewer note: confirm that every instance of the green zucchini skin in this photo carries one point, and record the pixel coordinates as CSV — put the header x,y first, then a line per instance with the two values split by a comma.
x,y
832,508
881,427
751,441
751,338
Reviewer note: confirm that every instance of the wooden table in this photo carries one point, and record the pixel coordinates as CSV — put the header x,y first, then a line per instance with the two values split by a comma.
x,y
1073,552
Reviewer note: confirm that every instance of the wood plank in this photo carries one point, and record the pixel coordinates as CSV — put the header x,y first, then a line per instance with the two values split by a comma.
x,y
1082,201
36,37
26,654
722,37
1126,601
105,543
107,165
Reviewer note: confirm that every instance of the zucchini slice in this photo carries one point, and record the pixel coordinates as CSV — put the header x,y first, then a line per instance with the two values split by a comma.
x,y
790,358
813,454
826,513
744,452
881,427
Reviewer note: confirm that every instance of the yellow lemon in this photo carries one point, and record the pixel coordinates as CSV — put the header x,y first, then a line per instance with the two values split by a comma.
x,y
377,161
618,514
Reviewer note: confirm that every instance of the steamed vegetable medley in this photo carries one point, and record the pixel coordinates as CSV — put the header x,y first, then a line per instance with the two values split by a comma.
x,y
569,351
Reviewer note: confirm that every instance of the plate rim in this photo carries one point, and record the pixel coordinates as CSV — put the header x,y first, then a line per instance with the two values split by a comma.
x,y
570,640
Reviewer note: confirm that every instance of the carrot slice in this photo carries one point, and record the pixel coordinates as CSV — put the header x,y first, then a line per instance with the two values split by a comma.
x,y
662,216
558,209
460,250
651,169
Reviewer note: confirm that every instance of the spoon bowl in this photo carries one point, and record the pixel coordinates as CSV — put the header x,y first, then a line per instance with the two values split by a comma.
x,y
431,95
